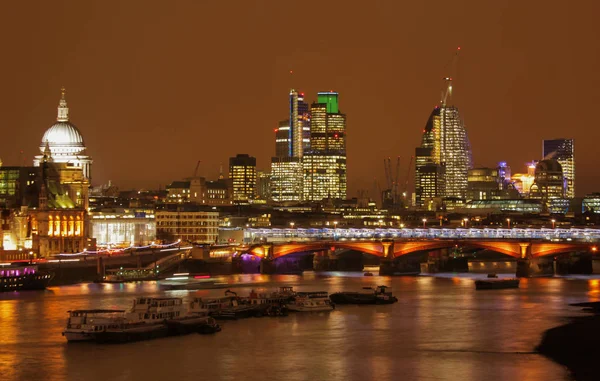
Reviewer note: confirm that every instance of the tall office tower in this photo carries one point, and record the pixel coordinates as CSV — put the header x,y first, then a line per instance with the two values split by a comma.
x,y
263,185
446,138
325,165
282,139
562,150
299,124
242,172
504,174
286,165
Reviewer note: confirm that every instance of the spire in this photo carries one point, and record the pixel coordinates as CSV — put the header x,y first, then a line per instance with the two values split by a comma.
x,y
221,177
47,153
63,110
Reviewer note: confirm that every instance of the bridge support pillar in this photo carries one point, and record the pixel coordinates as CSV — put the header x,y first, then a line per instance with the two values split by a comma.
x,y
100,267
532,267
324,261
267,266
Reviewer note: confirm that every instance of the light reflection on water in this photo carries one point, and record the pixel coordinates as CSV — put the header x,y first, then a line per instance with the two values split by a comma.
x,y
441,328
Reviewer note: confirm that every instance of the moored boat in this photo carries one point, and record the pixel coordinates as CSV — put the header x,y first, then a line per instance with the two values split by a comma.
x,y
17,276
83,324
227,307
496,283
311,302
377,295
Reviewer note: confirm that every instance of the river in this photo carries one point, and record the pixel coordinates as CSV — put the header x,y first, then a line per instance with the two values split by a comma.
x,y
441,329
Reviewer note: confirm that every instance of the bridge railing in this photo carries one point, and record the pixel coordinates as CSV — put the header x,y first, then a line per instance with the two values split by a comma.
x,y
299,234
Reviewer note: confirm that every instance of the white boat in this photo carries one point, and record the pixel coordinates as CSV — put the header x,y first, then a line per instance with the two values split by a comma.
x,y
311,301
82,324
156,310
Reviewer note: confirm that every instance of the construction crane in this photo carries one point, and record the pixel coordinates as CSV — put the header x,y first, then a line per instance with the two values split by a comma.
x,y
395,187
447,91
405,191
196,170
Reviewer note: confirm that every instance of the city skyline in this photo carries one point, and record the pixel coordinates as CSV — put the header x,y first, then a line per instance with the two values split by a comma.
x,y
119,109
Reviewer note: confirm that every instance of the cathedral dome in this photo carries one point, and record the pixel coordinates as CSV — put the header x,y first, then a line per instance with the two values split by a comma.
x,y
63,138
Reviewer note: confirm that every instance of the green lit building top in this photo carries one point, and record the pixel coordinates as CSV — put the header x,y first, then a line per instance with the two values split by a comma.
x,y
329,98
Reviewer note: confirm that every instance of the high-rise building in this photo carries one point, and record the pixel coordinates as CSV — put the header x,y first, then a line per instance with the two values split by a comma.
x,y
445,144
242,173
324,177
286,179
325,165
299,123
483,184
562,150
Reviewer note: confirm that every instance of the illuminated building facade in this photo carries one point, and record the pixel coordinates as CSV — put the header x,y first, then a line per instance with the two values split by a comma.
x,y
325,166
483,183
549,181
64,143
325,177
123,227
19,186
562,150
522,182
199,191
591,203
242,173
286,179
187,224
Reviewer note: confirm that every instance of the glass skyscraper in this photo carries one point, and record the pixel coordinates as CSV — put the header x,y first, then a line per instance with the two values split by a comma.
x,y
444,145
562,150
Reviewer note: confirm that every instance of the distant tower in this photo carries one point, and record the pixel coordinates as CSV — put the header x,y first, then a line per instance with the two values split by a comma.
x,y
242,172
444,157
562,150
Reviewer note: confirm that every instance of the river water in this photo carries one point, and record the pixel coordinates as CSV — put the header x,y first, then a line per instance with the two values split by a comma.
x,y
441,329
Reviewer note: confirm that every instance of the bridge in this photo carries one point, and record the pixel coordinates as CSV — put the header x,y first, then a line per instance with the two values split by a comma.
x,y
301,234
533,248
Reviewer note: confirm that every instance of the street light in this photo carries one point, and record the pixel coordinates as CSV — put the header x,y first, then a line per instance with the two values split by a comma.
x,y
401,226
508,222
466,221
424,222
292,224
553,223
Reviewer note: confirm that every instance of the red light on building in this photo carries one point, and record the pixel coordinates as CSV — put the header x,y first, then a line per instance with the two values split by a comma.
x,y
275,129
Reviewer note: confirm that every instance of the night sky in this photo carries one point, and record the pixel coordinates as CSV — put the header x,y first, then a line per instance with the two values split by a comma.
x,y
155,86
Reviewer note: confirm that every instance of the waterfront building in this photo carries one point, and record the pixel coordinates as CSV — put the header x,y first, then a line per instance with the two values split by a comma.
x,y
483,183
187,223
591,203
445,144
549,181
242,172
562,150
325,166
286,179
64,142
199,191
504,206
123,227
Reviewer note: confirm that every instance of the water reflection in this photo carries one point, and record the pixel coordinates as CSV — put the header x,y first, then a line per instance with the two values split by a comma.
x,y
441,328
